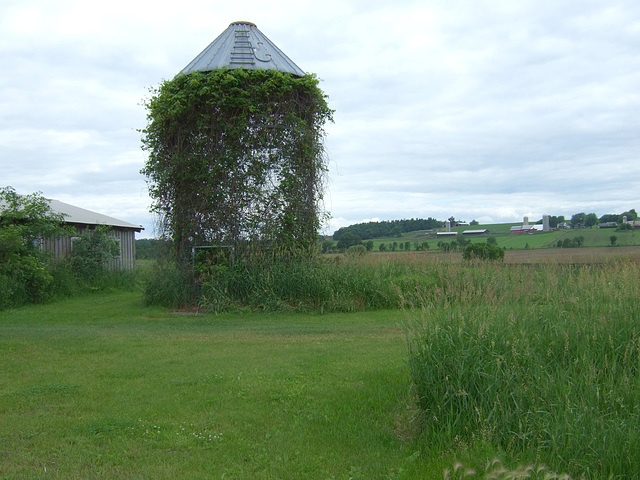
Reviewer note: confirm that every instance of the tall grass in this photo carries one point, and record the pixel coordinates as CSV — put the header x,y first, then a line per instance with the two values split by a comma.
x,y
540,362
302,285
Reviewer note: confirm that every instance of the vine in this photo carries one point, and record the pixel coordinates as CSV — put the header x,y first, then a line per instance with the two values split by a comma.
x,y
236,156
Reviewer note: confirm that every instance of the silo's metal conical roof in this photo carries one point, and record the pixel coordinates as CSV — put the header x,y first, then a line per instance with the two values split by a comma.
x,y
242,45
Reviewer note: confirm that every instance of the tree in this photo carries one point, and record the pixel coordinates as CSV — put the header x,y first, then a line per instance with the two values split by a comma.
x,y
624,226
578,219
613,239
327,246
590,220
555,220
25,274
348,240
30,215
482,251
237,156
631,214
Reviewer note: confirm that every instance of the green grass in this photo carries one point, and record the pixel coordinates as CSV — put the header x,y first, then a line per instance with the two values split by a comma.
x,y
544,358
543,363
102,387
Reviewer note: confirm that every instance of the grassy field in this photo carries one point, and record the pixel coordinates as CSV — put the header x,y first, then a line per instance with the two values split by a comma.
x,y
103,387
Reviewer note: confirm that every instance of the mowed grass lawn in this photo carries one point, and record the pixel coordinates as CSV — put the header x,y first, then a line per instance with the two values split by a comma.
x,y
102,387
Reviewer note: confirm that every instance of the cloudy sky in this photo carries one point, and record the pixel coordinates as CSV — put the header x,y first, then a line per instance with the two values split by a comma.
x,y
487,110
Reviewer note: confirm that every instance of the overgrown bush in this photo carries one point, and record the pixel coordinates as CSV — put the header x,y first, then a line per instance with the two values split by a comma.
x,y
92,252
482,251
25,275
356,250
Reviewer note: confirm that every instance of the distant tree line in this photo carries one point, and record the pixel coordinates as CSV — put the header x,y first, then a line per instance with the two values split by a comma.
x,y
387,228
151,248
588,220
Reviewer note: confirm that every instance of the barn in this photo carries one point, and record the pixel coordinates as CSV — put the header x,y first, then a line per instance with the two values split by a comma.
x,y
82,219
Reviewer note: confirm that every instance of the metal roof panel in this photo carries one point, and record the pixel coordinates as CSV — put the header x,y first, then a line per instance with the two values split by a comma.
x,y
73,214
242,45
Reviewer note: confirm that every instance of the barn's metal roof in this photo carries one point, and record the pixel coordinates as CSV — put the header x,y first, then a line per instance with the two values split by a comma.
x,y
73,214
242,45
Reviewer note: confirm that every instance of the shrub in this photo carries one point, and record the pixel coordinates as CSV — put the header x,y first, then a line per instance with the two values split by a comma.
x,y
482,251
25,274
348,240
356,251
92,252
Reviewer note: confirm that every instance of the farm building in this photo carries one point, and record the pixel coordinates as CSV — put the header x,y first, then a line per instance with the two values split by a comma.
x,y
476,232
82,219
526,229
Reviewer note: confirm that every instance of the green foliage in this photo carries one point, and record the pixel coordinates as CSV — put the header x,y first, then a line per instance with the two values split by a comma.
x,y
30,215
574,242
356,250
92,252
25,275
555,220
348,240
578,219
448,246
619,217
327,246
590,220
170,285
631,214
387,228
482,251
151,248
298,284
237,155
624,226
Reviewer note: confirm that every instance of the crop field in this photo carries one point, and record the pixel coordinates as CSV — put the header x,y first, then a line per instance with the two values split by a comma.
x,y
531,366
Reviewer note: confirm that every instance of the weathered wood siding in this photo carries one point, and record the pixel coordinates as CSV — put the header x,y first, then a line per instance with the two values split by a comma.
x,y
62,247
